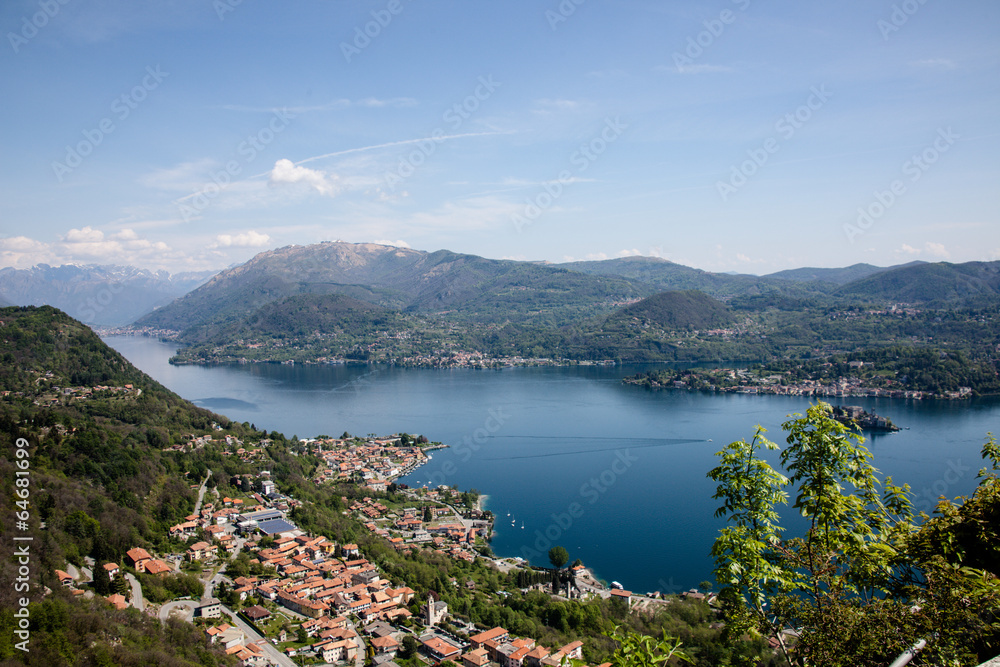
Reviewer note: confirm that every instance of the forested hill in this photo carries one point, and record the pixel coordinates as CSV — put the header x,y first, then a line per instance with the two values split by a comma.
x,y
398,278
930,283
99,483
674,310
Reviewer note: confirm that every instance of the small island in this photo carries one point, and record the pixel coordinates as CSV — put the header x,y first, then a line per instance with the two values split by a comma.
x,y
856,416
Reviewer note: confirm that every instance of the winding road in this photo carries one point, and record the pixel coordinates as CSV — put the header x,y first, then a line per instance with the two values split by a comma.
x,y
270,650
137,600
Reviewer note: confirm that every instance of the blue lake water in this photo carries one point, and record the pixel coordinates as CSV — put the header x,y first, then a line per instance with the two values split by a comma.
x,y
616,474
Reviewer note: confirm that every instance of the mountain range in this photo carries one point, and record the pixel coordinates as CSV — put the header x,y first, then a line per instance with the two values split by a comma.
x,y
361,289
99,295
469,286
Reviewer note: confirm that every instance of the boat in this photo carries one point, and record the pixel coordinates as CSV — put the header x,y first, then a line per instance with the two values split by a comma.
x,y
522,525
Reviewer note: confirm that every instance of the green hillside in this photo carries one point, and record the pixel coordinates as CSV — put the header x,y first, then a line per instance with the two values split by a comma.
x,y
838,276
464,285
99,483
664,275
930,283
687,309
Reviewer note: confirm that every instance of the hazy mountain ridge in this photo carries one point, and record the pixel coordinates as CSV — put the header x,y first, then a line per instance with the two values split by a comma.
x,y
931,283
680,309
412,280
107,295
837,276
664,275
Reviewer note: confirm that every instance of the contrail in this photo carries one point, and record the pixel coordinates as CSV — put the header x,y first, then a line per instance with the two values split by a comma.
x,y
360,149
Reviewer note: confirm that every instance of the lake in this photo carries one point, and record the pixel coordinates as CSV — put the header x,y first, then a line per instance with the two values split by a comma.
x,y
616,474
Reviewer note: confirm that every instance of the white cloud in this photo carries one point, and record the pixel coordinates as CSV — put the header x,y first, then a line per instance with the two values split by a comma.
x,y
699,68
125,235
930,249
396,102
936,63
396,244
85,235
21,252
628,253
332,105
546,107
937,250
89,246
250,239
286,172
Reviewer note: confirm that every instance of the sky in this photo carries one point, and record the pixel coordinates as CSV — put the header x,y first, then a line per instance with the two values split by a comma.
x,y
732,135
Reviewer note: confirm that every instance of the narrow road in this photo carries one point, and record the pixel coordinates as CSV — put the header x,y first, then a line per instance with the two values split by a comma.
x,y
362,656
137,600
201,493
270,650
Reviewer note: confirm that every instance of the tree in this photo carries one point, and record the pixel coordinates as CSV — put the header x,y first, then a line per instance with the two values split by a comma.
x,y
863,584
558,556
410,646
635,650
301,636
120,585
102,582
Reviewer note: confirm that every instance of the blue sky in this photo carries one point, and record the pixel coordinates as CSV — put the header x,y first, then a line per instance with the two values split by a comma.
x,y
734,135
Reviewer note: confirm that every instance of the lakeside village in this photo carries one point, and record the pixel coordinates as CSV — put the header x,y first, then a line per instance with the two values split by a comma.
x,y
443,359
323,602
745,381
